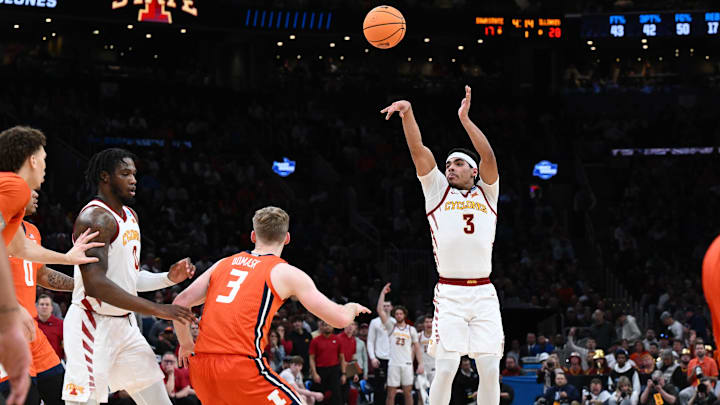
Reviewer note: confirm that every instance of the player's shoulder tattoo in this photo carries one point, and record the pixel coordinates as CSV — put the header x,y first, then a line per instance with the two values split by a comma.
x,y
2,222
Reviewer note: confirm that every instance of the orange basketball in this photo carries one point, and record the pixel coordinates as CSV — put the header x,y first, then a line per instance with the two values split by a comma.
x,y
384,27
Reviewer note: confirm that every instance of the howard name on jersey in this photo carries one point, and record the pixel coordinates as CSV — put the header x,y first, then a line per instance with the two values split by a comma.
x,y
123,261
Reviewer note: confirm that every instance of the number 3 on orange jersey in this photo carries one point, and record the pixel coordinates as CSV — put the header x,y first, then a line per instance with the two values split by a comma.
x,y
234,285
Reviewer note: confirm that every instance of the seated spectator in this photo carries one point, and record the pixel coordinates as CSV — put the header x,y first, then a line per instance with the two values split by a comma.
x,y
465,384
623,368
562,392
596,395
528,349
599,364
287,344
702,366
704,394
655,386
543,346
638,351
575,366
512,368
679,378
177,381
274,351
293,376
167,341
624,393
507,393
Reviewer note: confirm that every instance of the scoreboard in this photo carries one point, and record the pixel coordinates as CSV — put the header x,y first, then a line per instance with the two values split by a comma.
x,y
634,25
520,27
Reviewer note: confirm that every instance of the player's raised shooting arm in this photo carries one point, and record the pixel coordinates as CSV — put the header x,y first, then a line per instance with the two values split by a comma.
x,y
288,281
487,168
24,248
421,155
381,302
54,280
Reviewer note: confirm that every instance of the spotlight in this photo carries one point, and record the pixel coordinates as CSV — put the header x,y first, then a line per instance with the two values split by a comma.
x,y
460,47
347,38
130,26
279,43
292,36
426,40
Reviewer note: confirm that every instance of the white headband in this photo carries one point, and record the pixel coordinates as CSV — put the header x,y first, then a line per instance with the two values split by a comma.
x,y
463,156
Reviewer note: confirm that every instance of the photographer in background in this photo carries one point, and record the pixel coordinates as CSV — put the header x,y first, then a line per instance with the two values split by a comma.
x,y
624,394
546,373
703,394
700,367
596,395
657,387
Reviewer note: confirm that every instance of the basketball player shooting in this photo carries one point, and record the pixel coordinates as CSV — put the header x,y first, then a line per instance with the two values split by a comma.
x,y
241,294
103,343
461,208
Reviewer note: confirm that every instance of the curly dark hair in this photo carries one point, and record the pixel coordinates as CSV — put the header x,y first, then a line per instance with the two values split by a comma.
x,y
17,144
105,161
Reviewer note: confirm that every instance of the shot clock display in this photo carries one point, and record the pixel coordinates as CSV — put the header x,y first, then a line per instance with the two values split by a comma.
x,y
634,25
520,27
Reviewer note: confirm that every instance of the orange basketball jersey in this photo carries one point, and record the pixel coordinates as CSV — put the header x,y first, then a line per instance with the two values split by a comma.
x,y
240,305
24,273
14,196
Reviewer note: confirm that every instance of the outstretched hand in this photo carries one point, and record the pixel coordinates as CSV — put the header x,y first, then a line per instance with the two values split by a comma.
x,y
465,104
401,107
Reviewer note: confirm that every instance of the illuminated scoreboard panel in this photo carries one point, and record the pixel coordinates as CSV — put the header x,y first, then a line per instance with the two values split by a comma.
x,y
685,24
518,27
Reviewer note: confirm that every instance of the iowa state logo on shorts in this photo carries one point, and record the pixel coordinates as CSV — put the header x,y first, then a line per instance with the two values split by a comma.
x,y
74,389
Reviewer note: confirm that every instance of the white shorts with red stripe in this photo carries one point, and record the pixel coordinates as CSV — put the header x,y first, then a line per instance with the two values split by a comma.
x,y
466,321
105,354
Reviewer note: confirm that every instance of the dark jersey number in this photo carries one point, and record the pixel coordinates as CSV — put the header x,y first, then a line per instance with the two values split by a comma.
x,y
469,227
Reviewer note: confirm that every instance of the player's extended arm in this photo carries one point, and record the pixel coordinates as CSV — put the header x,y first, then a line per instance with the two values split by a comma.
x,y
421,155
381,301
289,280
54,280
488,165
24,248
94,277
14,350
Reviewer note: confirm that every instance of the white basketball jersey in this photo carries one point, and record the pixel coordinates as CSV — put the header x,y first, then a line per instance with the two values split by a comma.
x,y
428,360
123,261
401,340
462,226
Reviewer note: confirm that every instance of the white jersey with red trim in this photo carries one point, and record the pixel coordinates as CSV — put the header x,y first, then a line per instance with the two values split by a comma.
x,y
123,261
462,225
401,341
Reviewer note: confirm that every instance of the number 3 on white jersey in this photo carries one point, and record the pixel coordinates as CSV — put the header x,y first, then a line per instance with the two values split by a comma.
x,y
234,285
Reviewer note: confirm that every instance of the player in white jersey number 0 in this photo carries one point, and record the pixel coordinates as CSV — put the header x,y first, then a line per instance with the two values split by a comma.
x,y
461,208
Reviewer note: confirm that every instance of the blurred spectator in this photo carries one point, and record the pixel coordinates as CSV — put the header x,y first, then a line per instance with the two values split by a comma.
x,y
293,376
601,330
656,385
680,375
529,349
702,366
158,327
546,372
348,346
667,365
177,381
512,368
562,392
378,345
542,346
704,394
649,338
628,328
326,363
167,341
675,327
638,351
624,393
575,366
465,384
599,365
287,344
596,395
585,352
646,364
274,351
507,393
623,368
300,339
361,355
51,326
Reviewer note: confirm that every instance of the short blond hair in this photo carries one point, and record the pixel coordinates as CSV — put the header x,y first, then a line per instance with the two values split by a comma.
x,y
271,224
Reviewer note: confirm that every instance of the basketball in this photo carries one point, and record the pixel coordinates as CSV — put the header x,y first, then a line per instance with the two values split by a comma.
x,y
384,27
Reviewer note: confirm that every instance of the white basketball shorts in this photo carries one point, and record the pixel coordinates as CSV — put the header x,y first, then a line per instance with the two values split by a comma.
x,y
399,376
466,321
105,354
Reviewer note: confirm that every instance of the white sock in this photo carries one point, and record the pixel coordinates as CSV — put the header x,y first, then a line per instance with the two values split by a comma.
x,y
441,387
488,367
155,394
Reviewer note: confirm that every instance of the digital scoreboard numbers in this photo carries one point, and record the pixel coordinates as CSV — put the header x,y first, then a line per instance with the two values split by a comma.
x,y
520,27
651,25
